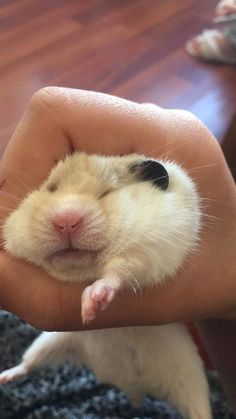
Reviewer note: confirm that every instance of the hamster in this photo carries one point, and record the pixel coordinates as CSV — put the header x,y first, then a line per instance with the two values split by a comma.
x,y
115,222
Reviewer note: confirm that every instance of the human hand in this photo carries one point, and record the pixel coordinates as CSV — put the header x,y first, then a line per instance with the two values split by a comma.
x,y
58,121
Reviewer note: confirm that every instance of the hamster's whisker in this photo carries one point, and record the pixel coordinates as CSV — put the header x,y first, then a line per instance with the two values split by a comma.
x,y
187,263
108,235
171,235
172,241
157,149
202,167
133,282
209,224
2,208
19,176
18,189
199,176
8,195
166,155
171,238
214,200
212,217
151,151
138,287
132,286
125,273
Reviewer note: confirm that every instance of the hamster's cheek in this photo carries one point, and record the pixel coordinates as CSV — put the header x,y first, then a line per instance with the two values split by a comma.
x,y
17,234
24,231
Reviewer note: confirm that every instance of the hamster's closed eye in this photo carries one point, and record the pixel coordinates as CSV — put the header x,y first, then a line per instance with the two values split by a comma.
x,y
52,187
105,193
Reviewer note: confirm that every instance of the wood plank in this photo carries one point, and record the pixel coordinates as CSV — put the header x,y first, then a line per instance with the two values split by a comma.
x,y
133,49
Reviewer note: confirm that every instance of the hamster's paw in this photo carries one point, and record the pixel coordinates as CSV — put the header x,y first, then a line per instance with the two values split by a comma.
x,y
13,374
96,297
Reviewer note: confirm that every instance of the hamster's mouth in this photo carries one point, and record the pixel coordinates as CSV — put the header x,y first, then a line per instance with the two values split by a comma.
x,y
73,254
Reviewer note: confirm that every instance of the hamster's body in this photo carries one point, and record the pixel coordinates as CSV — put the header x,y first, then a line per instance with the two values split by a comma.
x,y
161,361
124,221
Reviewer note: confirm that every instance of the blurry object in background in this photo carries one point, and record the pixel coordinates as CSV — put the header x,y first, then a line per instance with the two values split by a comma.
x,y
226,7
214,45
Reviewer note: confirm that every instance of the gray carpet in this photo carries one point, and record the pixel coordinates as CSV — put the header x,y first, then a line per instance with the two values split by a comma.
x,y
69,393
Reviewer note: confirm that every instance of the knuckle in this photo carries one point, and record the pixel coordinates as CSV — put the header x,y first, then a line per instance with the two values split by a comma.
x,y
48,97
197,130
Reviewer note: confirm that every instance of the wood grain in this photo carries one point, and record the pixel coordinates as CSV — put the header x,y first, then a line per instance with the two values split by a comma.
x,y
134,49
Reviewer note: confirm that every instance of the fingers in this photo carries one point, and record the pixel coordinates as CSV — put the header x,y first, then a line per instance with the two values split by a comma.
x,y
49,304
60,120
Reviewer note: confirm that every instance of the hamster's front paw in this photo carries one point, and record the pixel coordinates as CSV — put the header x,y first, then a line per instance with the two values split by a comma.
x,y
97,297
13,374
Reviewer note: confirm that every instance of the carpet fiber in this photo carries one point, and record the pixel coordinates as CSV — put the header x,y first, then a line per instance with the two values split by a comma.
x,y
69,393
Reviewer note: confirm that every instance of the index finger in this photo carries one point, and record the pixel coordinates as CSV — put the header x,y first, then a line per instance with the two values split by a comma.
x,y
60,120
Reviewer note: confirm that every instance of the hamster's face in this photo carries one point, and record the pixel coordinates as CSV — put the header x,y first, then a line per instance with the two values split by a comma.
x,y
75,217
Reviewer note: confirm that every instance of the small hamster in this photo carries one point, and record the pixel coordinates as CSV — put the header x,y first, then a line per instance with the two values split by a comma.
x,y
115,222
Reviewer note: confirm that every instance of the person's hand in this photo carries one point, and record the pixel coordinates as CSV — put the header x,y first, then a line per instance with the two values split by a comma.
x,y
58,121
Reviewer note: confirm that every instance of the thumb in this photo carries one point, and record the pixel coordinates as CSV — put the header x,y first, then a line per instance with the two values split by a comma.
x,y
35,297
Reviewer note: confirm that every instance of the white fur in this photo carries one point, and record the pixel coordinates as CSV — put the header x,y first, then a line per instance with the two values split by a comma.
x,y
142,235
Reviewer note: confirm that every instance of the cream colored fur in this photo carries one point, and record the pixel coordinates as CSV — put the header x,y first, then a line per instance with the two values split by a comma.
x,y
139,234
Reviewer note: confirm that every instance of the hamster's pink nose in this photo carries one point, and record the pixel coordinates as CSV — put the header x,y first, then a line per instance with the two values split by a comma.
x,y
67,222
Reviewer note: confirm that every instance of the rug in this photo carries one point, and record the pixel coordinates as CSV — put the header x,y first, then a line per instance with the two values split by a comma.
x,y
69,393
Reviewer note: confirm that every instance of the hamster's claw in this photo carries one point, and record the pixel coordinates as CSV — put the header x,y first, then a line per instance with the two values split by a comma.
x,y
13,373
94,298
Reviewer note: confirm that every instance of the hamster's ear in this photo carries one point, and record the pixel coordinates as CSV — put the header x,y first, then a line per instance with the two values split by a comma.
x,y
150,170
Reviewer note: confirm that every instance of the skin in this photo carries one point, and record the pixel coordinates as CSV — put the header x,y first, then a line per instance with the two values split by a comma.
x,y
58,121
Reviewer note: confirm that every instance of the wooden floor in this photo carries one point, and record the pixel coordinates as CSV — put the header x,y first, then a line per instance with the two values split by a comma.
x,y
133,49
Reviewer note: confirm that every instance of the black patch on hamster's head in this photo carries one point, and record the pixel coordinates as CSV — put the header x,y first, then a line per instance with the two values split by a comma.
x,y
151,170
